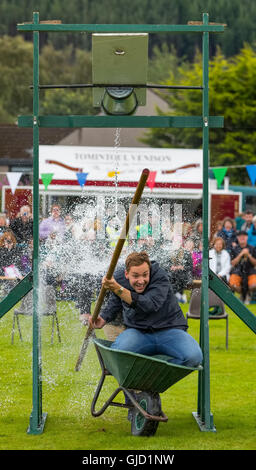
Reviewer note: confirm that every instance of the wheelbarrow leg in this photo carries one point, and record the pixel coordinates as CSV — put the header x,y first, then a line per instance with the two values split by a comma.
x,y
109,402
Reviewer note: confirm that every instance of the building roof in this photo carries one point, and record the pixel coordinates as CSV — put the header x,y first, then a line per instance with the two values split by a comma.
x,y
16,144
105,137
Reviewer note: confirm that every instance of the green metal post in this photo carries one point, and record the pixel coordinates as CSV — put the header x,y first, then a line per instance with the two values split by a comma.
x,y
203,415
37,419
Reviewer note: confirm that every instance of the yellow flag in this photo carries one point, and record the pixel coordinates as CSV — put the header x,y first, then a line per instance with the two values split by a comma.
x,y
113,173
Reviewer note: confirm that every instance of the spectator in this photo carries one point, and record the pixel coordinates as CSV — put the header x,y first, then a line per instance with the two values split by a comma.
x,y
217,228
51,258
219,259
252,233
10,256
179,270
22,226
239,220
54,223
27,258
197,258
243,272
248,216
3,224
69,230
186,230
228,233
197,234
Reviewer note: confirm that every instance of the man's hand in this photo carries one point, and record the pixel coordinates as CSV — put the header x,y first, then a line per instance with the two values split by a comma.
x,y
98,323
245,252
110,284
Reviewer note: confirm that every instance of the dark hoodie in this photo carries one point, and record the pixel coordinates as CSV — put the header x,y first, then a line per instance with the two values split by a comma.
x,y
156,308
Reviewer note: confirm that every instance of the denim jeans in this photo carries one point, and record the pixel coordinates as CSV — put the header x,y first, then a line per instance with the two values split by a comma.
x,y
173,342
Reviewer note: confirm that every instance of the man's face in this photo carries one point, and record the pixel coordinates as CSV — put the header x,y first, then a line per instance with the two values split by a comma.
x,y
242,240
138,277
248,217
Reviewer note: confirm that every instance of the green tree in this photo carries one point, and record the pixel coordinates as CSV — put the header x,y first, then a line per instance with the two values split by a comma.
x,y
66,66
232,84
240,16
16,59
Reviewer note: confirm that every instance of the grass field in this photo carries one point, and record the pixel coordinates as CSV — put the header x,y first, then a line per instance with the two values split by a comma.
x,y
67,394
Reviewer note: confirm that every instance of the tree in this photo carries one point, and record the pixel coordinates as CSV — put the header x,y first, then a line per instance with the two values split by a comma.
x,y
16,59
239,16
232,84
66,66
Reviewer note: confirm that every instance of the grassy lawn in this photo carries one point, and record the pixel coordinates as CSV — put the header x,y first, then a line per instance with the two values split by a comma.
x,y
67,394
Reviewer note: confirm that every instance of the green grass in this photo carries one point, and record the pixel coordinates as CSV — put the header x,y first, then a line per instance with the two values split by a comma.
x,y
67,394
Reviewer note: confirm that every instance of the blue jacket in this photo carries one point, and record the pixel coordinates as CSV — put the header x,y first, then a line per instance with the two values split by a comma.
x,y
229,237
252,236
156,308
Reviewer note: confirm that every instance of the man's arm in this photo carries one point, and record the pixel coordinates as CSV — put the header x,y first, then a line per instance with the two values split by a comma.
x,y
113,307
238,258
251,258
117,289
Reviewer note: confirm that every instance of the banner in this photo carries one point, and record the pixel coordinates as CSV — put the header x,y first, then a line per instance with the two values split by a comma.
x,y
13,179
46,179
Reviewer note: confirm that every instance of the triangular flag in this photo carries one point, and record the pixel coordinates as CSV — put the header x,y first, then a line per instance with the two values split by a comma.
x,y
111,174
251,169
46,179
151,179
219,174
13,179
81,178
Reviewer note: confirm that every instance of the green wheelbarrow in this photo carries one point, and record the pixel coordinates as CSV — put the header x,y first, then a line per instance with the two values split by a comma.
x,y
141,379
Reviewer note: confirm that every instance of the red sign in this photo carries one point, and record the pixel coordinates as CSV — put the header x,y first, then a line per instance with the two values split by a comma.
x,y
223,205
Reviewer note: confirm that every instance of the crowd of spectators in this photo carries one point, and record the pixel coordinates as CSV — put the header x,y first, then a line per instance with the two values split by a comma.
x,y
73,258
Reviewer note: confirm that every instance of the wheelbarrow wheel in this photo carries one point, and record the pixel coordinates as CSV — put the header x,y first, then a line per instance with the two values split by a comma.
x,y
141,426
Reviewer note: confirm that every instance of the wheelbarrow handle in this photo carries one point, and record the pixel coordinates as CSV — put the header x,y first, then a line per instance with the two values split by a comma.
x,y
114,259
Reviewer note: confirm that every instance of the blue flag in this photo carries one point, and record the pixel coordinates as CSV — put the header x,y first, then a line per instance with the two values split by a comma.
x,y
81,178
251,169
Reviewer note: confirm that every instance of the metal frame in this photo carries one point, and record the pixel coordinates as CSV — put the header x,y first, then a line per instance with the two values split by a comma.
x,y
205,121
203,414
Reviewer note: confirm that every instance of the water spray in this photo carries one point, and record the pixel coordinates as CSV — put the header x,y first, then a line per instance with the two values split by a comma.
x,y
114,260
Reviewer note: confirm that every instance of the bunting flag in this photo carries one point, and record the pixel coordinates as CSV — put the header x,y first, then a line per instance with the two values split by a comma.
x,y
81,178
151,179
13,179
219,174
251,170
46,179
111,174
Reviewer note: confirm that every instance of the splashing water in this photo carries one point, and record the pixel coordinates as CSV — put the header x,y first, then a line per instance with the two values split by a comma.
x,y
117,143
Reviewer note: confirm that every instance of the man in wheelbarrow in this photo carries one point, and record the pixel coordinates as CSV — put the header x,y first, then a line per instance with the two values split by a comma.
x,y
153,320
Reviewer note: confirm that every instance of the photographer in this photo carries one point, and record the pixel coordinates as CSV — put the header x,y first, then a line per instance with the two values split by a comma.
x,y
243,272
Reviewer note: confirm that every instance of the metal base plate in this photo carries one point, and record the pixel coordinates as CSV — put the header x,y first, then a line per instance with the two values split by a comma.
x,y
202,425
40,428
